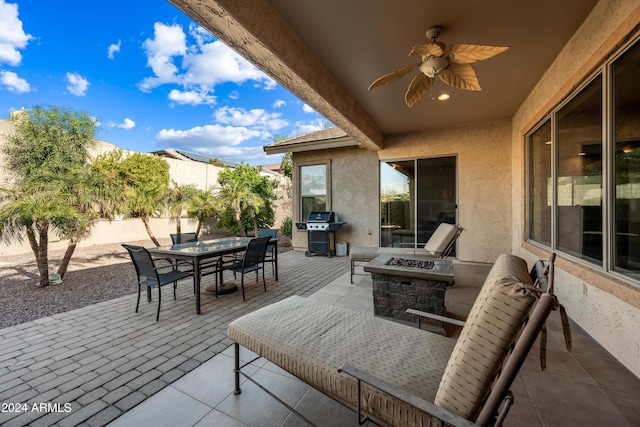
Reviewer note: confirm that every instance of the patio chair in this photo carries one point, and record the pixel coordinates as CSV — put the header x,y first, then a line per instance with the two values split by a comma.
x,y
252,260
149,275
269,256
177,238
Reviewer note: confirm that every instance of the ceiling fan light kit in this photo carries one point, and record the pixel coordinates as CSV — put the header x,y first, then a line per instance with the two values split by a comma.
x,y
452,64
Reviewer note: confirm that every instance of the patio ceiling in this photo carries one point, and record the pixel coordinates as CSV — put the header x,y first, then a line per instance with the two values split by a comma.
x,y
328,52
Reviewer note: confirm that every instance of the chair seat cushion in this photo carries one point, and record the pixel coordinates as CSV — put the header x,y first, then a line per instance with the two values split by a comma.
x,y
313,340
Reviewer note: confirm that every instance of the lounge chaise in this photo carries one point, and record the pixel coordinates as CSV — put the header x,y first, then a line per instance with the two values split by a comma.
x,y
408,376
439,245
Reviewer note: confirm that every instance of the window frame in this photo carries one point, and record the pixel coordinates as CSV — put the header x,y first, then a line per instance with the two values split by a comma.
x,y
327,164
608,264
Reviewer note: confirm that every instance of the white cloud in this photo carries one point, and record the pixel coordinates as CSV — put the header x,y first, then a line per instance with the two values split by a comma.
x,y
113,48
198,66
14,83
12,36
279,103
127,124
307,127
208,136
191,97
255,118
76,84
168,41
308,109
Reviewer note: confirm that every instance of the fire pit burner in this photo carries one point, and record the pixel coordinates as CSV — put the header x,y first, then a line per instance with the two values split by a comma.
x,y
413,263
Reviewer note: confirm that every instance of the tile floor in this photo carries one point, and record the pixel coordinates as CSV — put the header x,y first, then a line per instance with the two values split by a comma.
x,y
586,387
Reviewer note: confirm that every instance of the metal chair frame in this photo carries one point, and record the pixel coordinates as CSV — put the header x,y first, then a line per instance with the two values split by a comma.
x,y
149,275
252,260
269,256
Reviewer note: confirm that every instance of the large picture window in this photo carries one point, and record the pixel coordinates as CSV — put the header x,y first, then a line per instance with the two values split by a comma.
x,y
583,165
579,180
539,225
626,135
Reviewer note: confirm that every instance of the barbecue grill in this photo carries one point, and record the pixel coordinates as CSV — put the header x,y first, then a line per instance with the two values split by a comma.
x,y
321,228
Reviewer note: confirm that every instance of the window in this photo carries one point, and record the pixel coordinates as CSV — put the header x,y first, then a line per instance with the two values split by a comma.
x,y
539,226
583,165
626,158
579,180
313,189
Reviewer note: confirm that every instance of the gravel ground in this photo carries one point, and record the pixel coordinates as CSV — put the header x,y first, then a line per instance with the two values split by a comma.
x,y
96,273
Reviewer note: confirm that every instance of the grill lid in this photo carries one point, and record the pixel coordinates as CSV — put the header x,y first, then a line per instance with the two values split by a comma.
x,y
321,217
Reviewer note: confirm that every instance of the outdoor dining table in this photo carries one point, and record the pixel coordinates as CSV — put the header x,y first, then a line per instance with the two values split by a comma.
x,y
195,252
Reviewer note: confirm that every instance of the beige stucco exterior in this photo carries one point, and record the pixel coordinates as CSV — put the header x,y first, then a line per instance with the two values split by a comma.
x,y
607,307
483,153
491,168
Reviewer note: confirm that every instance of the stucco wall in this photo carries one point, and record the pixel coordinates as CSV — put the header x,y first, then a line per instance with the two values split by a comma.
x,y
127,230
354,194
607,307
484,202
182,172
484,195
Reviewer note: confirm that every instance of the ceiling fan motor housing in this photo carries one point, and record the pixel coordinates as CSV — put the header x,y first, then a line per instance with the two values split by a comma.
x,y
432,66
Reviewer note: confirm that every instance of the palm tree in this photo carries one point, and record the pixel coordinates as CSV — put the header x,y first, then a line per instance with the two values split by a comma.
x,y
25,212
178,197
253,207
201,206
146,202
86,190
238,197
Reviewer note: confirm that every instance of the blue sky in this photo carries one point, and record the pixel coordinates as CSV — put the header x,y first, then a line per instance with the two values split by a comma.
x,y
151,77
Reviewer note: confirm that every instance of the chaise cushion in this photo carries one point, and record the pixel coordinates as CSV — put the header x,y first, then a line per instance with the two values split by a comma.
x,y
312,341
440,239
491,328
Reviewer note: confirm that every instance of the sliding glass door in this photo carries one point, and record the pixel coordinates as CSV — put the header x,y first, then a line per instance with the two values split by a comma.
x,y
416,195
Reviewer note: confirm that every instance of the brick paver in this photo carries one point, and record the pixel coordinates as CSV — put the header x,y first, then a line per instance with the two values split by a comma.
x,y
104,359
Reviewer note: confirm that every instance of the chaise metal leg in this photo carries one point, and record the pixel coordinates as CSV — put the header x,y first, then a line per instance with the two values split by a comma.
x,y
236,368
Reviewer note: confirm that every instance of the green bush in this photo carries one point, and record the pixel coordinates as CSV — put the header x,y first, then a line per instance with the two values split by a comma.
x,y
286,227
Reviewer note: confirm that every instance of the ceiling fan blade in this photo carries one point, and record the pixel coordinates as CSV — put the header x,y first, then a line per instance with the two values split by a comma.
x,y
426,49
468,53
392,77
417,88
461,76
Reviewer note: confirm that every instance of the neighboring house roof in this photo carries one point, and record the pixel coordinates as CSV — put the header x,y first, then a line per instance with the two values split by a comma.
x,y
185,155
318,140
195,157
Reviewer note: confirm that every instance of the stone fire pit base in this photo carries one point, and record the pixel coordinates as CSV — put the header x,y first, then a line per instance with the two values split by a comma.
x,y
410,282
392,295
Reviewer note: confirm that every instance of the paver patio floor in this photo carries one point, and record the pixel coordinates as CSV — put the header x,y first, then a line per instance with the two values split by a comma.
x,y
116,366
105,359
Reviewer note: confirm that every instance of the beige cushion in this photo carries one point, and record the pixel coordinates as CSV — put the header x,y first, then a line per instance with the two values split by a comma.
x,y
491,328
313,340
440,239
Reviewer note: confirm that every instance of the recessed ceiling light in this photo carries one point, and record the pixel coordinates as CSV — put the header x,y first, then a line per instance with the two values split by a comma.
x,y
443,97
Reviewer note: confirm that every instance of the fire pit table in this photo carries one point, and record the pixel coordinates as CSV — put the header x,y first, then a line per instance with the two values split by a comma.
x,y
401,282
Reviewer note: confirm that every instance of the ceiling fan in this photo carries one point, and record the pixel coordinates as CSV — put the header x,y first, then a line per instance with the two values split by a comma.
x,y
451,63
